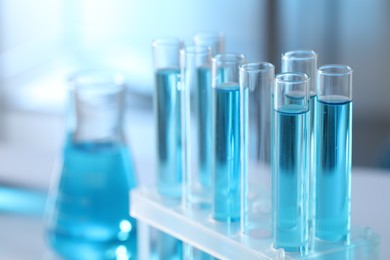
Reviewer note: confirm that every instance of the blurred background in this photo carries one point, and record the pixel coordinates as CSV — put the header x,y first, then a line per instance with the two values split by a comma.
x,y
42,41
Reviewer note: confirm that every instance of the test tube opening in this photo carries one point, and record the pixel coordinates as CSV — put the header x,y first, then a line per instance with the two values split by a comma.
x,y
225,69
166,51
304,61
335,82
292,91
214,40
300,55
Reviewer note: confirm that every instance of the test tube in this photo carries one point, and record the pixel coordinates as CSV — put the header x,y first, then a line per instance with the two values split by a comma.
x,y
334,143
214,40
226,136
166,52
290,162
305,61
167,105
196,107
256,82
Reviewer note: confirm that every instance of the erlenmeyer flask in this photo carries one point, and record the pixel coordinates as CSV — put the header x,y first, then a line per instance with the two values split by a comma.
x,y
88,209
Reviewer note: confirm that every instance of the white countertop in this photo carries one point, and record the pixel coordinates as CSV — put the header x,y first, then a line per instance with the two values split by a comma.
x,y
22,235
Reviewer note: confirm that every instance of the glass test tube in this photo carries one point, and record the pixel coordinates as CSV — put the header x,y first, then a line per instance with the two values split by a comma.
x,y
196,107
196,98
202,106
214,40
256,83
305,61
334,144
167,105
290,162
166,52
226,136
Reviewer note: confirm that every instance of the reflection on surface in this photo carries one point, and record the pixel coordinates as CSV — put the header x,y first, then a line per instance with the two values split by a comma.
x,y
18,200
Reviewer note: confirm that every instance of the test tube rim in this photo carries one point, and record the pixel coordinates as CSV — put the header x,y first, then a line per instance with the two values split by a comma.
x,y
304,80
230,57
256,67
323,70
305,77
308,54
196,49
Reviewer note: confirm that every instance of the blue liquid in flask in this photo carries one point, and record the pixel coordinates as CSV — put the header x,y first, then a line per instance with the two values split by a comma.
x,y
204,119
167,104
290,178
91,212
226,139
333,188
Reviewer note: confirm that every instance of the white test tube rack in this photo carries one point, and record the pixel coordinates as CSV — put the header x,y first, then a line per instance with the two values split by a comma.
x,y
225,241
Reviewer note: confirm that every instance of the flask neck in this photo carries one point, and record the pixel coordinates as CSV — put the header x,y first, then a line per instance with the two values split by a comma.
x,y
96,112
97,126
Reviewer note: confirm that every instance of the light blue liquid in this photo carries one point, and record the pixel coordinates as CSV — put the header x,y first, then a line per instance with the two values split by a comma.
x,y
169,148
291,176
333,189
91,212
204,126
168,127
226,152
